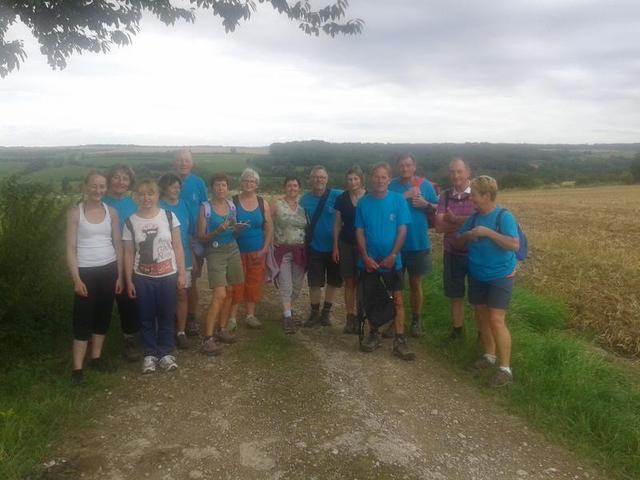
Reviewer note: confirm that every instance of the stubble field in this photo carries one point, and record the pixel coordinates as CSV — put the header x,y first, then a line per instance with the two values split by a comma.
x,y
584,248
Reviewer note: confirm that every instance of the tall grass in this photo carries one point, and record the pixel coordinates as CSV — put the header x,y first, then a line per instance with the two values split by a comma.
x,y
563,385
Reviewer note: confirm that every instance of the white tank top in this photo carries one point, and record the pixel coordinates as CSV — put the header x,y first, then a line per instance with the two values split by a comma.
x,y
95,244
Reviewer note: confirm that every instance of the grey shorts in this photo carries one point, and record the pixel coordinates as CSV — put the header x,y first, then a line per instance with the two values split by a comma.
x,y
494,294
224,265
348,259
455,268
417,262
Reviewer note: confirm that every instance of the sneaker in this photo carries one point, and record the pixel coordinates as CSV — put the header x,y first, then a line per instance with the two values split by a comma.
x,y
482,364
77,378
401,348
501,379
325,317
389,331
313,320
181,341
351,325
232,324
225,337
289,327
297,323
192,329
370,343
168,363
416,329
252,321
131,351
210,347
149,364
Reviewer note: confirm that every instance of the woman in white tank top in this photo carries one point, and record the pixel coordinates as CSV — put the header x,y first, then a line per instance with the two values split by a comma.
x,y
94,259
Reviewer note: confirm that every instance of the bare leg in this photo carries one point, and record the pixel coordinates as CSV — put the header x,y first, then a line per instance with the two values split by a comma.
x,y
182,308
484,327
315,295
329,294
97,341
501,335
350,295
234,311
218,296
415,285
79,350
251,308
226,308
457,312
399,320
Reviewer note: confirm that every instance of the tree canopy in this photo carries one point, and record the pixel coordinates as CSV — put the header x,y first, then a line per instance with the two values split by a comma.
x,y
63,27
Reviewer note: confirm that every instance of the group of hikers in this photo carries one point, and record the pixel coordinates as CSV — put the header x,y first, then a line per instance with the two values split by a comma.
x,y
147,251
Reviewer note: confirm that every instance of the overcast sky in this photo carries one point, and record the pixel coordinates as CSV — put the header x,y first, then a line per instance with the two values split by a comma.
x,y
536,71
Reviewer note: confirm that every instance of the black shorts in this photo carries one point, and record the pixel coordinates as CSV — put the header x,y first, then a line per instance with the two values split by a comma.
x,y
417,262
348,258
494,294
92,314
455,268
321,268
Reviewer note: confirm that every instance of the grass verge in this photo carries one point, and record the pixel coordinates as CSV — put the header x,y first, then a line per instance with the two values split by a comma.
x,y
563,385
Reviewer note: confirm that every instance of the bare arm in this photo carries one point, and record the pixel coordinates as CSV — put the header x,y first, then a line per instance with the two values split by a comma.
x,y
176,243
202,228
369,263
73,217
128,267
116,238
268,229
401,235
337,227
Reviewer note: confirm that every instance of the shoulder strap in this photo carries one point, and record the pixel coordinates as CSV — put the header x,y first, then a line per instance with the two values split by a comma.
x,y
446,194
499,220
418,181
207,209
169,219
317,213
236,200
133,232
261,207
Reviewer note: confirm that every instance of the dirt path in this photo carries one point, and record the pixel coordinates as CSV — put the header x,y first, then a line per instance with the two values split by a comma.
x,y
307,407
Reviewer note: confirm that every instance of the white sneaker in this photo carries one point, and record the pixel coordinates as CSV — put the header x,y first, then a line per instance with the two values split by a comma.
x,y
149,364
168,363
253,322
232,325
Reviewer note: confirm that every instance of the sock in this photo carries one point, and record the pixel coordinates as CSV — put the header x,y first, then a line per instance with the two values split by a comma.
x,y
490,358
327,306
506,370
287,314
415,318
457,331
315,307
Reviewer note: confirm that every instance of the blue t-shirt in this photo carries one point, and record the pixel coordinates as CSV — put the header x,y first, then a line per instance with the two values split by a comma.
x,y
180,210
215,221
193,192
322,240
380,218
251,239
418,232
125,207
488,261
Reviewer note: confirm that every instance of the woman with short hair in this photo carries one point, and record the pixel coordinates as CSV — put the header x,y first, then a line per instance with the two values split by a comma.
x,y
216,228
94,259
289,224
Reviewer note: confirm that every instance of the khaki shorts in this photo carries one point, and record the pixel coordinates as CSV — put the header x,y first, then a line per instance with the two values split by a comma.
x,y
224,266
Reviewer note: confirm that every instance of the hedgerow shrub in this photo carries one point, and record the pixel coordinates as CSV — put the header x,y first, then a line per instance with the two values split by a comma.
x,y
35,292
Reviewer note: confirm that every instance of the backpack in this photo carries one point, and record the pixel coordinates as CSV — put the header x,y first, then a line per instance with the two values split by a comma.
x,y
207,213
430,210
523,250
375,301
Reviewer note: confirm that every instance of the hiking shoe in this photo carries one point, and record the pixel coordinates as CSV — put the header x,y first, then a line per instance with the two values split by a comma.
x,y
401,348
131,351
297,323
77,378
325,317
501,379
351,327
181,341
313,320
99,365
416,329
149,364
192,329
454,336
253,322
168,363
232,324
482,364
370,343
289,327
210,347
389,331
225,337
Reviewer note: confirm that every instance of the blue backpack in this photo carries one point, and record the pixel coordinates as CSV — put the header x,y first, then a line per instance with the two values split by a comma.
x,y
523,251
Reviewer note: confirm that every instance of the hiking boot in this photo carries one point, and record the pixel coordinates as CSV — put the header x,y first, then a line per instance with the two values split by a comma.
x,y
77,378
253,322
351,325
325,317
370,343
289,327
181,341
149,364
210,347
483,364
131,351
415,330
232,324
192,329
401,348
454,336
501,379
99,365
389,331
225,337
168,363
313,320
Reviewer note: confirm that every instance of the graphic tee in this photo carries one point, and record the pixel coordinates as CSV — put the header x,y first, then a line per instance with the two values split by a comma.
x,y
154,250
418,232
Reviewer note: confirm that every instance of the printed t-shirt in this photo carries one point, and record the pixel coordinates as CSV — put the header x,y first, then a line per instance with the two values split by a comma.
x,y
182,213
125,207
251,238
322,240
154,252
418,231
193,192
348,214
461,205
380,218
488,261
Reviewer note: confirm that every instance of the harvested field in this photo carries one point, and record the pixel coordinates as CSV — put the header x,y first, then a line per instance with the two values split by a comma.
x,y
584,248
